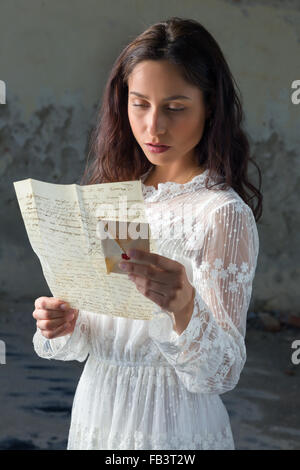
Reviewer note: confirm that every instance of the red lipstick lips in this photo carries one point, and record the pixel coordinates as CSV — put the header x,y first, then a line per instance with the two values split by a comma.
x,y
157,145
157,148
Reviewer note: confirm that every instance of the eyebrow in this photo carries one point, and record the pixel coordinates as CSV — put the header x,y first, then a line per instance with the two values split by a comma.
x,y
173,97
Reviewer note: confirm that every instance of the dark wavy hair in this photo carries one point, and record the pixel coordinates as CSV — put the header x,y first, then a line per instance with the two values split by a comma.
x,y
224,147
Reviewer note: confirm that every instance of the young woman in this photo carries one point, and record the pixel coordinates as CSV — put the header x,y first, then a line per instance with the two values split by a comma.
x,y
156,384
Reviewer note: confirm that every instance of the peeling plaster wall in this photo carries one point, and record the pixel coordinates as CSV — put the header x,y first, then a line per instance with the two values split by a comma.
x,y
55,57
50,146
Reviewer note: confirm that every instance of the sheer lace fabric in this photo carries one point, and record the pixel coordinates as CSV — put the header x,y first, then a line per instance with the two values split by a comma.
x,y
144,386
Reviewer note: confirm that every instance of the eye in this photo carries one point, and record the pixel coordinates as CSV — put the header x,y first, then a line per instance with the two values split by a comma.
x,y
169,109
175,109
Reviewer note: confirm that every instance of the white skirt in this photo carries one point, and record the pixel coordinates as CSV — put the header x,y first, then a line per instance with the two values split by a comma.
x,y
122,405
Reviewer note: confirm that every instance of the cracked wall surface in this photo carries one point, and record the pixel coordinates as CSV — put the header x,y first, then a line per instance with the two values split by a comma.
x,y
50,146
55,60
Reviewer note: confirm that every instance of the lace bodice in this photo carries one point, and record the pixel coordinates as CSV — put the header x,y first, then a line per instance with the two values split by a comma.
x,y
153,381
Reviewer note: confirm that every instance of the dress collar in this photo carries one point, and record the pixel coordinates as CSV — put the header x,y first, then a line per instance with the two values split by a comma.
x,y
171,189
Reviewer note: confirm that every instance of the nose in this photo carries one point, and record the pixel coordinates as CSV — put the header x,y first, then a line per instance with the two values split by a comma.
x,y
156,123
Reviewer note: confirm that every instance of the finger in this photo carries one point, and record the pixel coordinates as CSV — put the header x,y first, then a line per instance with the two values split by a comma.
x,y
159,299
54,323
64,329
42,314
50,303
144,285
51,325
151,272
60,331
155,259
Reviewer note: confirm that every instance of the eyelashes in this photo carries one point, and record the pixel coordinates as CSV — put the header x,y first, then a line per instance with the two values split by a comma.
x,y
169,109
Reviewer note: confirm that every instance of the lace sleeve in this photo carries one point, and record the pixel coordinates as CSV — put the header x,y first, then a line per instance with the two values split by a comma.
x,y
210,353
74,346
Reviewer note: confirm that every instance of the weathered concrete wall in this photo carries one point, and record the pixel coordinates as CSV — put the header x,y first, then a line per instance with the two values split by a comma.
x,y
55,57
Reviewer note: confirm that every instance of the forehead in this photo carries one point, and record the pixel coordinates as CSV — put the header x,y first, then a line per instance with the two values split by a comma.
x,y
160,77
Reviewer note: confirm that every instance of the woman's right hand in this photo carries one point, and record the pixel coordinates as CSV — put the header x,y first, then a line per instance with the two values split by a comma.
x,y
52,319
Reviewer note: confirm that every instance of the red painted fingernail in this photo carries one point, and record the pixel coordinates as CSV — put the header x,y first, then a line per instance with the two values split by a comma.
x,y
124,256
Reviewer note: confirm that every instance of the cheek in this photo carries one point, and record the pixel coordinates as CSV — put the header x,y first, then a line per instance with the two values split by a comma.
x,y
185,127
190,128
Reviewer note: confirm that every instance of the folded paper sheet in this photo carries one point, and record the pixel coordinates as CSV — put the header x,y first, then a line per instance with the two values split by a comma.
x,y
66,225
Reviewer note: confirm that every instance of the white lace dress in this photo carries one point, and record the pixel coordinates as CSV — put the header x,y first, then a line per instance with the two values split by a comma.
x,y
144,386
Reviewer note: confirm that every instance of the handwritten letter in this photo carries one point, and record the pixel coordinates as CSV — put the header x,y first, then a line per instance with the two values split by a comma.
x,y
62,223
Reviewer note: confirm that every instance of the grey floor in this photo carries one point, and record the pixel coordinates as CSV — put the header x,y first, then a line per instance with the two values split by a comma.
x,y
36,394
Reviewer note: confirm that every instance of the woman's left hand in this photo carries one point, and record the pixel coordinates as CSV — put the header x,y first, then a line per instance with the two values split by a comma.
x,y
164,281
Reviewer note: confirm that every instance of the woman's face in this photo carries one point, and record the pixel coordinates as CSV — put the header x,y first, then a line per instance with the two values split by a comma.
x,y
177,122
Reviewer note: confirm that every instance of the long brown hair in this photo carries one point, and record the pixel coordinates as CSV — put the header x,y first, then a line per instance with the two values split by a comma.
x,y
224,147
